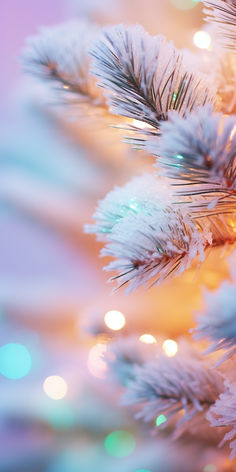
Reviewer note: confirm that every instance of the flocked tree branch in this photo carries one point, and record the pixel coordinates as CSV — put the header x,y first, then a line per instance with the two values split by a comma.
x,y
59,54
223,14
170,386
144,77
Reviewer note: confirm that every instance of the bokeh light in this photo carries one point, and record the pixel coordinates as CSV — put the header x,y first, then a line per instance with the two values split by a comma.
x,y
160,420
170,347
210,468
15,361
96,364
120,444
202,39
147,339
114,320
184,4
55,387
143,470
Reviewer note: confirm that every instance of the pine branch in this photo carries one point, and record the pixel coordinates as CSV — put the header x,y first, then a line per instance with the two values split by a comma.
x,y
151,248
144,77
223,414
223,14
170,386
59,55
218,321
199,153
125,353
149,239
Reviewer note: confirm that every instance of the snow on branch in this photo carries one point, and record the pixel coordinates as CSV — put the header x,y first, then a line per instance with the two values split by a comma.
x,y
139,194
183,384
144,77
125,353
223,14
152,247
218,322
199,152
59,54
150,236
223,414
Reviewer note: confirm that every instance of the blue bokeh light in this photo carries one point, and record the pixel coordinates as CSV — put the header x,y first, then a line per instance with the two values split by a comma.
x,y
15,361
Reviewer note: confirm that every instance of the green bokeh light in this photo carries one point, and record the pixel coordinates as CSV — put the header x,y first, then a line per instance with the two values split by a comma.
x,y
184,4
210,468
160,420
15,361
120,444
143,470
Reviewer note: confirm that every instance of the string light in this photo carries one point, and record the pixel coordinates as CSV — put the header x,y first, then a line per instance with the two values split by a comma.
x,y
114,320
170,347
160,420
120,444
96,365
15,361
55,387
147,339
202,39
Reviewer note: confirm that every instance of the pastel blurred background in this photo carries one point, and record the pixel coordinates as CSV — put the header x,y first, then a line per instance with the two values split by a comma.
x,y
57,410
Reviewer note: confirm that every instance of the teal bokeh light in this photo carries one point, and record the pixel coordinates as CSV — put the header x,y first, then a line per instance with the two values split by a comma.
x,y
185,4
143,470
120,444
15,361
160,420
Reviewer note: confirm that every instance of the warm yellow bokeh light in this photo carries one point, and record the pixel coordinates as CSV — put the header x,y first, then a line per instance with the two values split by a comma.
x,y
170,347
96,364
55,387
114,320
202,39
147,339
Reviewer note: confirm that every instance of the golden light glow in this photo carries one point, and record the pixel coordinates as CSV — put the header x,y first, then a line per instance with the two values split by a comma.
x,y
114,320
147,339
232,133
55,387
96,364
202,39
170,347
141,124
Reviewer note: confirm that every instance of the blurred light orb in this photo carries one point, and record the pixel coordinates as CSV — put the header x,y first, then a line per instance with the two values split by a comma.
x,y
170,347
147,339
55,387
202,40
120,444
210,468
142,470
96,364
15,361
114,320
184,4
160,420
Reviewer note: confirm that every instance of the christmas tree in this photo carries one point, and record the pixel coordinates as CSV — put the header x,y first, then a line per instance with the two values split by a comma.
x,y
176,221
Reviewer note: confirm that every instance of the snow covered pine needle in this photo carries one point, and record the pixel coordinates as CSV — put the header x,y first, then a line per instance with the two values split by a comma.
x,y
172,385
144,77
223,14
60,54
150,239
218,322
